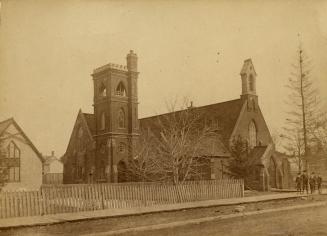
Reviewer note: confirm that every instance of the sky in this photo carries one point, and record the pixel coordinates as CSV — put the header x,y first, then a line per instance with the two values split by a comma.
x,y
48,50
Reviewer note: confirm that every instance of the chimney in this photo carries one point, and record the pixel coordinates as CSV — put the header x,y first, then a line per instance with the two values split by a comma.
x,y
191,105
131,61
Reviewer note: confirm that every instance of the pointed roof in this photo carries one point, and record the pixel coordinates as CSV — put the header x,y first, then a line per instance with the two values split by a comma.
x,y
226,112
247,67
213,147
6,123
89,118
256,154
87,121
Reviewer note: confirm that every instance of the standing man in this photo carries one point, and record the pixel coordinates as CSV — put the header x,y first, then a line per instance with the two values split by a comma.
x,y
305,181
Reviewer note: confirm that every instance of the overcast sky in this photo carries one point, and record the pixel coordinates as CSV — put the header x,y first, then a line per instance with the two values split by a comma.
x,y
48,50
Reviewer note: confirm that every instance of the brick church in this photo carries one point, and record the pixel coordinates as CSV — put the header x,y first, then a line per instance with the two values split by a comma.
x,y
101,142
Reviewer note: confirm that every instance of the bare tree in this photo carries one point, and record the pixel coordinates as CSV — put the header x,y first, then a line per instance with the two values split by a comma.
x,y
171,147
276,138
304,112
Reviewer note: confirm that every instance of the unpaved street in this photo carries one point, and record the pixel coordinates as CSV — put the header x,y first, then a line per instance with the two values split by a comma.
x,y
266,224
309,221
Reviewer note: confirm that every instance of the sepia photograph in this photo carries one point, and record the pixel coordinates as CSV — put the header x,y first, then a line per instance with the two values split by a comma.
x,y
163,117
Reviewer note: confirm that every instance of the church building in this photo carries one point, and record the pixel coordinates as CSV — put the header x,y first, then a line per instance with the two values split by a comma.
x,y
101,142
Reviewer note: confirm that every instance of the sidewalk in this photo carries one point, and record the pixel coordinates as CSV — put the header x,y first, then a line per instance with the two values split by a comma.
x,y
77,216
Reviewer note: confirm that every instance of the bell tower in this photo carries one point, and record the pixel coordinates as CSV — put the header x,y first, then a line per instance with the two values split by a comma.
x,y
248,76
116,117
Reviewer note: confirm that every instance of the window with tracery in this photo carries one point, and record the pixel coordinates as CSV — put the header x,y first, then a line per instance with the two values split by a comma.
x,y
121,91
13,155
252,134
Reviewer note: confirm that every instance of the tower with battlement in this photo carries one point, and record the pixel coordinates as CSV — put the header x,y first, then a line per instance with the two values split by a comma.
x,y
115,116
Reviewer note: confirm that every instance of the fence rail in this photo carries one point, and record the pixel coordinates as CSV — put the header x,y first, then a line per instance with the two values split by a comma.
x,y
52,199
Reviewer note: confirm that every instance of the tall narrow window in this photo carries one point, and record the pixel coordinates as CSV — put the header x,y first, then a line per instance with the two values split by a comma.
x,y
121,91
251,83
252,134
13,162
102,121
121,118
102,90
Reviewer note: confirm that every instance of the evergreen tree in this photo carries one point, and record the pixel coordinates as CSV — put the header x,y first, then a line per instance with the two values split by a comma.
x,y
238,165
304,109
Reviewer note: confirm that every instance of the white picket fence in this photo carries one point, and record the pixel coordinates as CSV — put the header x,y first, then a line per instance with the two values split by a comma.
x,y
55,199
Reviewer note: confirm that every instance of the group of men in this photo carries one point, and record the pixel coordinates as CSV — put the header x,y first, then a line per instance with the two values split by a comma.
x,y
305,182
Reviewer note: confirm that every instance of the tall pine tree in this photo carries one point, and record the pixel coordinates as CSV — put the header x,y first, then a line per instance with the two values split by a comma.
x,y
304,109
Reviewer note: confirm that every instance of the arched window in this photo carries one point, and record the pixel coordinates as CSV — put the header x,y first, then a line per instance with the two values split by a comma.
x,y
121,118
102,90
13,152
121,91
102,121
251,83
252,134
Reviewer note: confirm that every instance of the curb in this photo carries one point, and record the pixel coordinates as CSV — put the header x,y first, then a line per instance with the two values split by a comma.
x,y
203,220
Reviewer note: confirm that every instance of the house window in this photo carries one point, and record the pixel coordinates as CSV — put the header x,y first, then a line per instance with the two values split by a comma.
x,y
79,172
212,123
102,90
121,91
102,121
13,162
121,118
252,134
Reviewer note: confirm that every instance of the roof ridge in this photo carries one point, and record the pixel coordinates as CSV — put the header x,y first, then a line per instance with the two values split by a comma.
x,y
218,103
195,107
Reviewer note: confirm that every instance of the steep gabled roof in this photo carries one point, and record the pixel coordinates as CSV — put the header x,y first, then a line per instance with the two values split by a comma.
x,y
89,118
5,124
226,113
255,156
87,122
213,147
